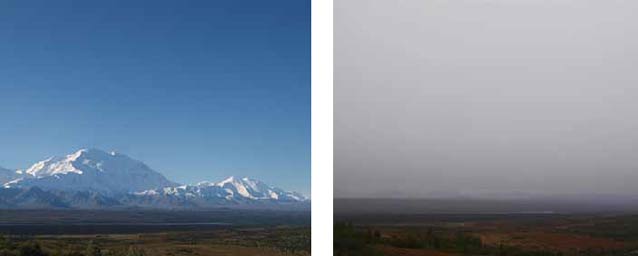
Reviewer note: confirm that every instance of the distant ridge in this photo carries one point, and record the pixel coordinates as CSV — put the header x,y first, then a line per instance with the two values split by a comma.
x,y
7,175
92,178
541,205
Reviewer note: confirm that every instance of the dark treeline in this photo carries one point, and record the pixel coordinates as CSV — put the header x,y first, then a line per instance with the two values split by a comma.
x,y
26,247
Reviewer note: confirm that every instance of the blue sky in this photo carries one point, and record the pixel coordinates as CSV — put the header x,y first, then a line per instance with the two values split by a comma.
x,y
198,90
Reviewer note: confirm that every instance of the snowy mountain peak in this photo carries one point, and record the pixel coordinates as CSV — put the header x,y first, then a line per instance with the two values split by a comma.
x,y
205,184
77,154
52,166
255,189
230,179
230,189
93,170
237,186
65,165
234,180
95,178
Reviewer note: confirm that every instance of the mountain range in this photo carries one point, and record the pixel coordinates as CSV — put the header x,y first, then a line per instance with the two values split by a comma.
x,y
92,178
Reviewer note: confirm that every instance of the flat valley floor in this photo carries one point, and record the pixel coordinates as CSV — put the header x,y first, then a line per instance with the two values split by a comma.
x,y
393,233
161,233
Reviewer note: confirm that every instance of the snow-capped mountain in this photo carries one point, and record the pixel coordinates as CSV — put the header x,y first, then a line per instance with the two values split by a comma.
x,y
7,175
230,189
91,178
254,189
92,170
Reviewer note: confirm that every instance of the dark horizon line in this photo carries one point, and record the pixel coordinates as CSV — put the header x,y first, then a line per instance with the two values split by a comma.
x,y
531,197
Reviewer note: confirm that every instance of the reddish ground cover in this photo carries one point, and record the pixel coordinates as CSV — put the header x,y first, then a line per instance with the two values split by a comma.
x,y
388,250
555,241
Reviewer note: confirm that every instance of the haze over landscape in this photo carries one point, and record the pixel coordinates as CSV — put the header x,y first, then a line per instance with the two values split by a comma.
x,y
485,98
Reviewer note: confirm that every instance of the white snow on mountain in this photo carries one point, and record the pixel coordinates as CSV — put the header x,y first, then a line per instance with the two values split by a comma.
x,y
92,170
7,175
91,178
254,189
231,189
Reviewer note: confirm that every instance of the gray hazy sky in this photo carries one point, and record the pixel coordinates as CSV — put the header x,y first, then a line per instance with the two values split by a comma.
x,y
440,97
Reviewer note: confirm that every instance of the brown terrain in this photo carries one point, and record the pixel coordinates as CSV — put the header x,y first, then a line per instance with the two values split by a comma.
x,y
498,235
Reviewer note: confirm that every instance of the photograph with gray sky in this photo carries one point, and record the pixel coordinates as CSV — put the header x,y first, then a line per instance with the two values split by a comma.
x,y
442,98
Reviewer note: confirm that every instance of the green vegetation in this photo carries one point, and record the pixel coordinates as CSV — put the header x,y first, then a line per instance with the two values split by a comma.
x,y
349,241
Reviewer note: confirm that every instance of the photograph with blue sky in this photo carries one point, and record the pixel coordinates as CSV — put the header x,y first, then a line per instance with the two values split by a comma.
x,y
196,90
163,128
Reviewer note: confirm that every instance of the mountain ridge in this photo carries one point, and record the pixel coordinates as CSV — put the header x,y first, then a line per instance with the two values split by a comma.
x,y
7,175
92,178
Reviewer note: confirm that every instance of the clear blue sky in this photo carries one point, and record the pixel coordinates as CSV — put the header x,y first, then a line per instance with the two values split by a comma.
x,y
198,90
